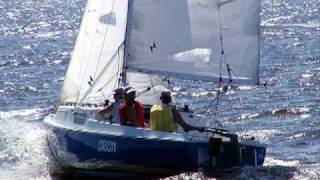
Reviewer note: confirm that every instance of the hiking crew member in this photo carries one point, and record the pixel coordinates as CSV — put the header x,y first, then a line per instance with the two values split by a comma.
x,y
165,117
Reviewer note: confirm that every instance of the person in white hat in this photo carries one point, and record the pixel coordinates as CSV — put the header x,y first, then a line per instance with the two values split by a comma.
x,y
131,111
113,108
165,117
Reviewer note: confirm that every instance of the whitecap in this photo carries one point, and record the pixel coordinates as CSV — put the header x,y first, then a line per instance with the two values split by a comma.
x,y
48,34
245,87
305,116
36,112
307,75
31,88
249,116
262,135
27,47
297,136
57,61
270,161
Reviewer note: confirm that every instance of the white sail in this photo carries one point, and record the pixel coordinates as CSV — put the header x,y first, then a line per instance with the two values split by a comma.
x,y
182,38
98,54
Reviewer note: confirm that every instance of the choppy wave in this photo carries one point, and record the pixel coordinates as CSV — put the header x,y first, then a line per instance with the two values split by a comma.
x,y
284,111
24,115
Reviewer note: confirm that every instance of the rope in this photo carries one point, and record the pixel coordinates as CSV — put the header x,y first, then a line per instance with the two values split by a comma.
x,y
152,85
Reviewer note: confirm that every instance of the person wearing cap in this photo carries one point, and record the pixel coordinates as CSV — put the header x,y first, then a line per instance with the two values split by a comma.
x,y
131,111
113,108
165,117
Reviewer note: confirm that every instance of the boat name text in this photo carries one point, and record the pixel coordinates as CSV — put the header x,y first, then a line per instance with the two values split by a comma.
x,y
107,146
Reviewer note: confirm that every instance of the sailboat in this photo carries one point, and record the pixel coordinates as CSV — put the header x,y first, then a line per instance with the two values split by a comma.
x,y
142,43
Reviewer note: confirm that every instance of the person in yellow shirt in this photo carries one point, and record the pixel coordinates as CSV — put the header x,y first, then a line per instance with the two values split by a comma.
x,y
165,117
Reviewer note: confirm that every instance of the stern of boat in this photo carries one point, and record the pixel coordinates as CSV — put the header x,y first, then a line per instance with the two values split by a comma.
x,y
225,152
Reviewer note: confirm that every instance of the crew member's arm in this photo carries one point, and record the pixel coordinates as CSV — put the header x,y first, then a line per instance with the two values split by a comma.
x,y
107,110
186,127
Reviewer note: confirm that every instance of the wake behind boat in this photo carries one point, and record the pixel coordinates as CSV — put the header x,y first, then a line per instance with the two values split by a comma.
x,y
141,43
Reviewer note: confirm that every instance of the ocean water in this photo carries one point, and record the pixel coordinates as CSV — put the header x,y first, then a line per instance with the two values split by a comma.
x,y
36,40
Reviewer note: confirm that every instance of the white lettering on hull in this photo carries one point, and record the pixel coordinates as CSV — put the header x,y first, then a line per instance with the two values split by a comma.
x,y
107,146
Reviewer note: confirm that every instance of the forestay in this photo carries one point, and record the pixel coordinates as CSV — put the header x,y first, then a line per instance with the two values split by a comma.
x,y
97,58
182,38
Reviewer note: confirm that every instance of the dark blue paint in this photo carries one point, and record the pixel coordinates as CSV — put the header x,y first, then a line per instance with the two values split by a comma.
x,y
174,156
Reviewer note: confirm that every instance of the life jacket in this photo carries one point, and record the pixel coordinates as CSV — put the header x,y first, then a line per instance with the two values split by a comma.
x,y
161,118
139,115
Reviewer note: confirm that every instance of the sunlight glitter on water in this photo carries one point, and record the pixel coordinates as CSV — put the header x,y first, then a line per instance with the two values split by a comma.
x,y
24,147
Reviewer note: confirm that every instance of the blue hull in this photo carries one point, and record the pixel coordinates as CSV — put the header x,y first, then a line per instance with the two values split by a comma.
x,y
79,142
95,151
89,151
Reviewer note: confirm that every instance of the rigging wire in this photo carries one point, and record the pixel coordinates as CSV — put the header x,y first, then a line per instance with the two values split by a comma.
x,y
216,108
116,83
100,75
153,90
202,119
114,76
104,40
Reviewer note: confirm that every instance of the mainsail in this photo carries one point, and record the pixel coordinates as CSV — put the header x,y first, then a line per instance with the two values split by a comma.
x,y
196,39
96,63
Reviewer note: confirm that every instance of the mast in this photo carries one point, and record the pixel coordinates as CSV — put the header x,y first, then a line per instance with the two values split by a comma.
x,y
125,60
